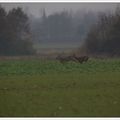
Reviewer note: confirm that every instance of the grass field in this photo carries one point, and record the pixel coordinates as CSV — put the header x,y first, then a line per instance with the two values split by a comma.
x,y
48,88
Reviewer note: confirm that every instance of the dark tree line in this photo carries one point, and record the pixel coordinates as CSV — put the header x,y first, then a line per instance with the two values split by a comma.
x,y
15,35
104,36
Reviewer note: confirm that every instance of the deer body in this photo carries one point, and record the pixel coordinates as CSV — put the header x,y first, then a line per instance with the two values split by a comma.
x,y
82,59
74,58
65,59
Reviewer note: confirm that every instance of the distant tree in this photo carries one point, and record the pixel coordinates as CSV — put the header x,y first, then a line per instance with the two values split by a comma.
x,y
56,27
83,20
64,26
104,37
3,27
19,32
15,36
60,26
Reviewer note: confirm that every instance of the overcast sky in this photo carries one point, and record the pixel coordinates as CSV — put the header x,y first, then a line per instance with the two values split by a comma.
x,y
35,8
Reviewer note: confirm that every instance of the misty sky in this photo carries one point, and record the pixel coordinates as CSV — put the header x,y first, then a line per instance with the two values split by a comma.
x,y
35,8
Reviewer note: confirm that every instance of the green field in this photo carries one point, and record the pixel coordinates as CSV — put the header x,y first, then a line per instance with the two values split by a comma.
x,y
47,88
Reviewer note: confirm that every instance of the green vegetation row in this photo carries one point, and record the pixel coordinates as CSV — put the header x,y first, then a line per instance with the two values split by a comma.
x,y
33,67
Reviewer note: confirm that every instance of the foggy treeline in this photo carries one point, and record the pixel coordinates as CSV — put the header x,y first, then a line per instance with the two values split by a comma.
x,y
62,27
99,31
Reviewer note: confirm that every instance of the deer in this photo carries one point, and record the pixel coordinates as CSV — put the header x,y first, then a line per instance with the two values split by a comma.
x,y
81,59
65,59
74,58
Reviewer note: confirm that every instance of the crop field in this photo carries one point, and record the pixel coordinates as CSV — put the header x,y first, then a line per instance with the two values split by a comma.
x,y
47,88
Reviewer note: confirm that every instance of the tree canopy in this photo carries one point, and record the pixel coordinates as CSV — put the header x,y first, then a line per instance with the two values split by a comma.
x,y
104,36
15,35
